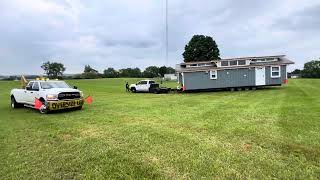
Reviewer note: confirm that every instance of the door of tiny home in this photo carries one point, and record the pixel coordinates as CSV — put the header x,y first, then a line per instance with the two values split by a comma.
x,y
260,76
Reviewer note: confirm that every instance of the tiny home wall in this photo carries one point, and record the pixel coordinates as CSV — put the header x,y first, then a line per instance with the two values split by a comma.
x,y
276,81
225,78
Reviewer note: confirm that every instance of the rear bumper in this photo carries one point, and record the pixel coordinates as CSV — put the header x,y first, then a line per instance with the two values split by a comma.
x,y
64,104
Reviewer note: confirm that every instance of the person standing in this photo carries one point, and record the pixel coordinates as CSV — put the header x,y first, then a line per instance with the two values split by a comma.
x,y
127,87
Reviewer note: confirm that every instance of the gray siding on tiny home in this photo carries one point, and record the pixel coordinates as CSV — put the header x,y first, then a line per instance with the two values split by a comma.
x,y
276,81
240,77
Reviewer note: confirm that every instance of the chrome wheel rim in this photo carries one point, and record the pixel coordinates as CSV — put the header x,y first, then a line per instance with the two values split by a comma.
x,y
43,109
12,103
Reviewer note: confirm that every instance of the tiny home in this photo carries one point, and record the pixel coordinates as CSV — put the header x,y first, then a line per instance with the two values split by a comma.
x,y
233,73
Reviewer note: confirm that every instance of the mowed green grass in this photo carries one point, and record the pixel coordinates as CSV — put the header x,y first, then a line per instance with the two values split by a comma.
x,y
262,134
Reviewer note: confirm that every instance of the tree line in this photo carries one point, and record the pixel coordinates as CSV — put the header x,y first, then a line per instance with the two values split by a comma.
x,y
56,70
310,70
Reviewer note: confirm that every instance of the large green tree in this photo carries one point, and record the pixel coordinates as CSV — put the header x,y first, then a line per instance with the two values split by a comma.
x,y
296,71
89,69
90,73
130,72
53,69
110,73
151,72
311,69
201,48
166,70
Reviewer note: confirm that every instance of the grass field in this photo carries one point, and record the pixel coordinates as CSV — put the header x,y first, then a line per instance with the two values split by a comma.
x,y
269,133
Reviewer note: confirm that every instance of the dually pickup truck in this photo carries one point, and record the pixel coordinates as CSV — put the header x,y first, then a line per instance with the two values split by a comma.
x,y
148,86
53,95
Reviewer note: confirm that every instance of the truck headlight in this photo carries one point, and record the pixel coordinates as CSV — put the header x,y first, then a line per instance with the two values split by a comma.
x,y
81,94
52,97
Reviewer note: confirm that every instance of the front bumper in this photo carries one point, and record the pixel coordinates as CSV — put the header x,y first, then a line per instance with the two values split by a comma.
x,y
64,104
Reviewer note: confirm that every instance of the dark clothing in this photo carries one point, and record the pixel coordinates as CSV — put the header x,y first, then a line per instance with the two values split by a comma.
x,y
127,87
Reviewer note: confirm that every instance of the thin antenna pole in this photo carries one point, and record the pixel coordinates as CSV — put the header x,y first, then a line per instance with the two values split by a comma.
x,y
167,40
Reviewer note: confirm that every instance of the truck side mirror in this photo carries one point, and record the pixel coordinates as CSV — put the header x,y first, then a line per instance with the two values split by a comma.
x,y
28,88
75,87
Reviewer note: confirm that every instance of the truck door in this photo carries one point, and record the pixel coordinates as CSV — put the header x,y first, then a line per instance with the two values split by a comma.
x,y
32,91
35,92
142,86
26,94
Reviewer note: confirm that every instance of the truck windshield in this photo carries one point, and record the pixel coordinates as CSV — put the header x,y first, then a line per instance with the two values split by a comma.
x,y
58,84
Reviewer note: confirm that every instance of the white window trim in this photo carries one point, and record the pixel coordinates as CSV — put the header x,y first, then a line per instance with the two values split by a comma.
x,y
215,72
182,74
275,71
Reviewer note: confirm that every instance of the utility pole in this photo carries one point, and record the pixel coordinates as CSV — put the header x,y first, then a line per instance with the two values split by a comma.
x,y
167,40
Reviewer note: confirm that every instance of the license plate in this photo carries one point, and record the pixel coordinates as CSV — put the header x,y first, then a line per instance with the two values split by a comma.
x,y
65,104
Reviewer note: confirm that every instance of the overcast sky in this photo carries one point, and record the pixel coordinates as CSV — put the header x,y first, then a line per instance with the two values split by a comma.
x,y
127,33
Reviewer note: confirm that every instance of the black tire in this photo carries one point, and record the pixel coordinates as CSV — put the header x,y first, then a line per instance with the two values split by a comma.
x,y
14,103
78,108
43,109
133,90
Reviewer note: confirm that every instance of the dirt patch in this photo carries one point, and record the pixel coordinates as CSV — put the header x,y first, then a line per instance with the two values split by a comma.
x,y
65,137
152,159
246,147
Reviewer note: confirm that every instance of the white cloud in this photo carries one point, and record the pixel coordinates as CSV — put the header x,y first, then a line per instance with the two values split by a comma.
x,y
128,33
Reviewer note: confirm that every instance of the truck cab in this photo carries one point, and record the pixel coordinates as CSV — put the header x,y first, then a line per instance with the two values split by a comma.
x,y
53,95
141,86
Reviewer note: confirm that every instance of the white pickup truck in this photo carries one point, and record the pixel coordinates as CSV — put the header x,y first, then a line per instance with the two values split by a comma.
x,y
141,86
148,86
54,95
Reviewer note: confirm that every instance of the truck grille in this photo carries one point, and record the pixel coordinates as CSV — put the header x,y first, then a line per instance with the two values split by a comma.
x,y
68,95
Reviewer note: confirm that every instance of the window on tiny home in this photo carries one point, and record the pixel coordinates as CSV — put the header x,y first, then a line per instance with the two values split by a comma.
x,y
224,63
233,63
241,62
193,65
275,71
213,74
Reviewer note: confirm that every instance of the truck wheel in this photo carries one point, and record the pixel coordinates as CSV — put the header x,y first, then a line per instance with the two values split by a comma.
x,y
133,90
43,109
14,103
78,108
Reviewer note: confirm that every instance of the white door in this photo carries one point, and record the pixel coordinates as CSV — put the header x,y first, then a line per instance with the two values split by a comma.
x,y
142,86
260,76
31,92
34,93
